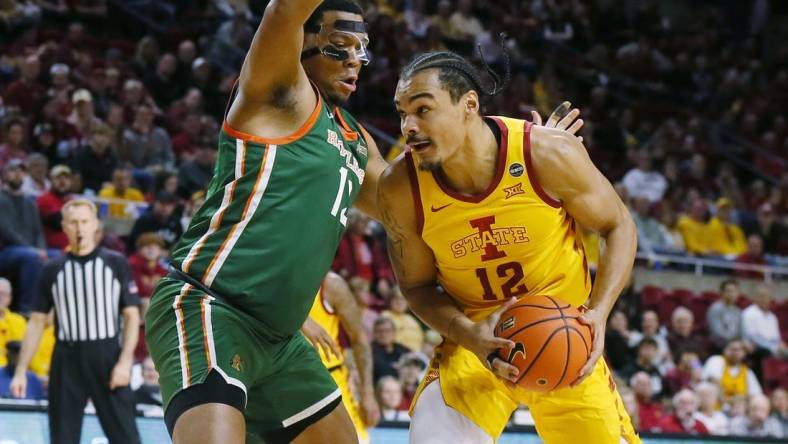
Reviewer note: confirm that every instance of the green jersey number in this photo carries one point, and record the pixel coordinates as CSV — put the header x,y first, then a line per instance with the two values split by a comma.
x,y
343,183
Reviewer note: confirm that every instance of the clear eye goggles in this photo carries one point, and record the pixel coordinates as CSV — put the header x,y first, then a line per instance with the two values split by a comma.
x,y
341,40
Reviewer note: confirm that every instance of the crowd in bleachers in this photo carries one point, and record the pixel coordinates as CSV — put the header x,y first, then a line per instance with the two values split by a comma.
x,y
683,104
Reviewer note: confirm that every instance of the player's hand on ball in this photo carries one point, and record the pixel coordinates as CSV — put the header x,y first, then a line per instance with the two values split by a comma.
x,y
595,319
563,117
481,340
320,339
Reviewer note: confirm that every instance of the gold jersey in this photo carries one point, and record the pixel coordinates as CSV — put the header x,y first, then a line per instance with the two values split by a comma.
x,y
324,315
512,240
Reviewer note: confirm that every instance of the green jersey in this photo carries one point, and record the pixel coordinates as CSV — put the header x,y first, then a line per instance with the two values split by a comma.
x,y
273,216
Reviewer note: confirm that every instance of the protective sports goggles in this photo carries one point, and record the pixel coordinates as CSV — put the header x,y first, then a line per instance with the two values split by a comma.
x,y
341,40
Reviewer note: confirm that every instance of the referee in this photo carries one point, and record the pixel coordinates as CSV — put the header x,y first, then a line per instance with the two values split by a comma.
x,y
90,289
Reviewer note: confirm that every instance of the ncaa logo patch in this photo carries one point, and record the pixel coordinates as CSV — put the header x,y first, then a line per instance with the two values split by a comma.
x,y
516,169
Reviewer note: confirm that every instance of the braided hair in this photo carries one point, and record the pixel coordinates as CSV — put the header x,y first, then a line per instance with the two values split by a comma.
x,y
457,75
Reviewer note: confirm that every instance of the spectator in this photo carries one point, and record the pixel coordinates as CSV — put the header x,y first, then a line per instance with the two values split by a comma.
x,y
617,337
195,174
360,254
771,229
683,419
408,330
162,83
94,163
121,190
146,145
442,20
187,53
22,246
45,142
644,363
12,325
643,181
757,423
761,328
724,316
148,394
35,182
682,336
730,373
385,351
780,408
26,93
725,238
753,256
649,324
708,412
649,409
160,218
146,266
13,144
83,117
50,204
652,235
389,394
34,387
693,228
464,24
410,367
685,374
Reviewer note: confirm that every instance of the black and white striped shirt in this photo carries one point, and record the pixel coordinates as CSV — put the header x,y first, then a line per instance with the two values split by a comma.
x,y
88,294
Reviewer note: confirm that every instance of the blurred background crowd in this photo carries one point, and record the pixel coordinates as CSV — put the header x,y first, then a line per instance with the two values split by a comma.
x,y
684,104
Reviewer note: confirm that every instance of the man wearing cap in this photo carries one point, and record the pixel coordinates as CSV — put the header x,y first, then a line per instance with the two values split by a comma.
x,y
161,218
83,117
724,237
50,204
22,246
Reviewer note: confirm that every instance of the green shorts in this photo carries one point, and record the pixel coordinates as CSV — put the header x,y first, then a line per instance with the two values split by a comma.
x,y
190,333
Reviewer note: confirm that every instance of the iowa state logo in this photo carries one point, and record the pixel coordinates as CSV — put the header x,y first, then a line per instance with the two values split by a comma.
x,y
487,239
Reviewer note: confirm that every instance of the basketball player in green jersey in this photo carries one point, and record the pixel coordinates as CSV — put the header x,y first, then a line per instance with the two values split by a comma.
x,y
222,328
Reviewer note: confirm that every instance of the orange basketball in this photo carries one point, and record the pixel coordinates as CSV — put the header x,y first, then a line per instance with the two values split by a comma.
x,y
551,345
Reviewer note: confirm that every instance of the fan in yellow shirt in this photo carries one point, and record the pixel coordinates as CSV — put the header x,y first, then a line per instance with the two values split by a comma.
x,y
723,236
121,189
693,229
408,331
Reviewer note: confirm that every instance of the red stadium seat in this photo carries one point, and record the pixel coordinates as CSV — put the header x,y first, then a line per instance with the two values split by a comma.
x,y
743,302
678,297
774,372
651,297
699,305
710,296
683,295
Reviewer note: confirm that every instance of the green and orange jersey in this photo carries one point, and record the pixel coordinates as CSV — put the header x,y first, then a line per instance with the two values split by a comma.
x,y
273,216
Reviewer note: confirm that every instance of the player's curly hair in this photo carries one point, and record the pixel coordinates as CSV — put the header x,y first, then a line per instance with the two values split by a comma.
x,y
457,75
332,5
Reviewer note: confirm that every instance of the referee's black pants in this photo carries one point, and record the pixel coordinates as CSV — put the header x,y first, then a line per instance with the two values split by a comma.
x,y
80,371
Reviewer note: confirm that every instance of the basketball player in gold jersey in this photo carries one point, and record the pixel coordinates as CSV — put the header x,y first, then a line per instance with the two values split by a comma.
x,y
335,305
484,211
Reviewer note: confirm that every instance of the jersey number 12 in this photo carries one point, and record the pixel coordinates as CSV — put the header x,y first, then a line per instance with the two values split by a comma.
x,y
512,287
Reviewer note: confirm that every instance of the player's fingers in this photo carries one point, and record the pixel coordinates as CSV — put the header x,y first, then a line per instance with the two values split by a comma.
x,y
568,119
495,343
536,118
497,313
587,369
580,139
575,126
505,370
334,348
558,113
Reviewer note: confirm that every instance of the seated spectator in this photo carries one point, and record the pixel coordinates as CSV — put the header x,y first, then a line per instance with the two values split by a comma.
x,y
360,254
385,351
725,238
753,256
162,83
34,387
685,374
26,93
12,325
649,325
780,408
683,420
408,329
682,337
652,235
83,116
730,373
22,246
693,228
644,363
121,189
146,145
771,229
757,423
649,409
760,326
147,396
643,181
195,174
50,204
160,218
617,337
13,145
410,367
464,23
146,266
724,316
94,164
35,182
709,412
389,393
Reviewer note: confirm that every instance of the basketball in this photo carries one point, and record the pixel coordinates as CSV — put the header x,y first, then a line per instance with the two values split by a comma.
x,y
551,345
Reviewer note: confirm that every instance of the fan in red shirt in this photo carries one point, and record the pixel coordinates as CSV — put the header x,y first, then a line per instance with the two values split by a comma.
x,y
50,203
146,266
685,405
649,410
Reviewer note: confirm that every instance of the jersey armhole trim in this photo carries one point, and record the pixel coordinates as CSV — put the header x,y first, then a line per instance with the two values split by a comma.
x,y
531,171
414,189
284,140
347,132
